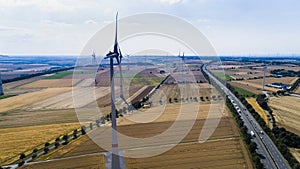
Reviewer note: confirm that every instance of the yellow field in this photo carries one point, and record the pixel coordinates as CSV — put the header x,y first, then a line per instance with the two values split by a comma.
x,y
286,111
212,154
48,83
255,85
258,109
297,90
14,141
29,98
296,153
224,149
89,161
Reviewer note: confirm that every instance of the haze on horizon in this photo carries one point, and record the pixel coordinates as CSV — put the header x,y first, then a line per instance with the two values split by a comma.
x,y
234,27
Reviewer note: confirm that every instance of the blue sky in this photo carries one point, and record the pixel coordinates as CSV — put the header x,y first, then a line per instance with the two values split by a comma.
x,y
234,27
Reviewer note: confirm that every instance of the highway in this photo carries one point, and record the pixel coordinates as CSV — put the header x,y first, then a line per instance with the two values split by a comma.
x,y
269,154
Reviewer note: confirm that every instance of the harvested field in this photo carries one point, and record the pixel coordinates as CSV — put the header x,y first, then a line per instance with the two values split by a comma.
x,y
105,100
89,161
29,98
188,76
214,154
258,109
224,149
83,97
16,140
20,118
51,83
255,85
176,92
297,90
286,111
296,153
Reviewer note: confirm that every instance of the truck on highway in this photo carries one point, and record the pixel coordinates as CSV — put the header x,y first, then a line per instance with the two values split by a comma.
x,y
252,133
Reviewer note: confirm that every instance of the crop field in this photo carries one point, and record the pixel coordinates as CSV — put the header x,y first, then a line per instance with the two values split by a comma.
x,y
223,149
258,109
248,70
296,153
286,111
170,93
89,161
65,100
297,90
216,154
47,111
29,98
50,83
22,118
243,92
223,76
59,75
254,86
131,78
14,141
189,76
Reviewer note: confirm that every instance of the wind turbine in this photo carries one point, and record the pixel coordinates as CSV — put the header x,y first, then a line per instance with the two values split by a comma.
x,y
264,77
1,88
111,55
94,61
121,77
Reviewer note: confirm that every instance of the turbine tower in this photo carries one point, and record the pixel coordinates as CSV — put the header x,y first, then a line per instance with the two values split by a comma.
x,y
263,80
111,55
1,88
94,61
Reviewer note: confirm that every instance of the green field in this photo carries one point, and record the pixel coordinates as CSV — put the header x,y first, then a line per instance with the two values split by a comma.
x,y
223,76
6,96
128,75
243,92
146,81
59,75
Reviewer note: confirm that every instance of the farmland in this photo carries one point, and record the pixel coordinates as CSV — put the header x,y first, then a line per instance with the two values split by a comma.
x,y
243,92
45,110
286,111
211,153
254,86
29,98
59,75
15,141
42,108
89,161
223,76
258,109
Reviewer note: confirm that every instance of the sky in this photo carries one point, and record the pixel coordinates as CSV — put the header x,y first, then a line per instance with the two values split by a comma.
x,y
233,27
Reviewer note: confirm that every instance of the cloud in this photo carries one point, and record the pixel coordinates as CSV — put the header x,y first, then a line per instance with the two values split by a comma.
x,y
171,2
203,20
50,23
91,22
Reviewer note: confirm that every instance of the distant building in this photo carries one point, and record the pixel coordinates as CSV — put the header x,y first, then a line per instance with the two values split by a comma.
x,y
1,88
281,86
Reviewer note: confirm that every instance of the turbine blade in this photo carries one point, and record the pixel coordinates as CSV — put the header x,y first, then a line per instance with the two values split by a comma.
x,y
116,35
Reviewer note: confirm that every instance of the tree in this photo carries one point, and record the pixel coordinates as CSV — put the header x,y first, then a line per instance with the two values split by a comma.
x,y
252,147
34,155
47,144
57,139
75,133
91,126
83,128
97,123
66,139
22,156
